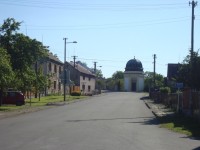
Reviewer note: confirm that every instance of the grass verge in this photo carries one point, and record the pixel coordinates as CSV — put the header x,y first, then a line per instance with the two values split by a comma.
x,y
35,102
181,124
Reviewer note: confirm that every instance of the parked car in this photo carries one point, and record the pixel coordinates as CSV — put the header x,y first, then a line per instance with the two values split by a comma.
x,y
13,97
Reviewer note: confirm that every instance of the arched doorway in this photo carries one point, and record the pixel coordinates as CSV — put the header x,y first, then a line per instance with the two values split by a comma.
x,y
133,87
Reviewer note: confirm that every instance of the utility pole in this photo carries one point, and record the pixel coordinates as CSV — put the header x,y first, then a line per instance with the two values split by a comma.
x,y
74,57
95,67
194,4
64,68
154,71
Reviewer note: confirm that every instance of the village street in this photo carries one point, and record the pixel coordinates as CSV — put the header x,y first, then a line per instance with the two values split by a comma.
x,y
111,121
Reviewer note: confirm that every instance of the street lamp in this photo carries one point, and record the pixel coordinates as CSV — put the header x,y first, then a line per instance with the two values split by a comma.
x,y
64,67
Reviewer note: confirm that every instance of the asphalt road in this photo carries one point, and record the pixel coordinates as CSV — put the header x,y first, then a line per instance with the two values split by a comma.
x,y
112,121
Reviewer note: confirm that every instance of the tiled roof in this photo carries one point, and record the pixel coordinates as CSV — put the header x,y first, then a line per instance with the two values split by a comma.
x,y
82,69
54,57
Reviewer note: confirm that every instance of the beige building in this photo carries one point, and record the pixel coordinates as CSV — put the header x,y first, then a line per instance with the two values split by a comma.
x,y
82,77
53,67
134,76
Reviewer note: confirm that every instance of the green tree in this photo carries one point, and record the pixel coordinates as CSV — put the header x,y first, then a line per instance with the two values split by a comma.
x,y
99,73
43,81
9,26
118,75
116,82
6,73
24,52
149,78
189,72
110,84
100,81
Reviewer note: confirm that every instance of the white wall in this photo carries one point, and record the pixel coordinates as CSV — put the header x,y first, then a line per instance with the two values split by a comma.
x,y
130,76
141,84
126,84
87,82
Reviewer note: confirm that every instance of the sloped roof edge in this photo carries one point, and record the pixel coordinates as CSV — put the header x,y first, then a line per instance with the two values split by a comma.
x,y
81,69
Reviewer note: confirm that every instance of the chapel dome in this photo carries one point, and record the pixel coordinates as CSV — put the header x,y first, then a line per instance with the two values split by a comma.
x,y
134,65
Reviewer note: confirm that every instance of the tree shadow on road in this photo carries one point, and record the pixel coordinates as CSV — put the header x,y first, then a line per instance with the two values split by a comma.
x,y
182,124
145,98
136,120
148,121
198,148
113,119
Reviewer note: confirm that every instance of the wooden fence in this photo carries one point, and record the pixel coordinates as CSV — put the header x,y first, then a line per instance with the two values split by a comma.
x,y
187,101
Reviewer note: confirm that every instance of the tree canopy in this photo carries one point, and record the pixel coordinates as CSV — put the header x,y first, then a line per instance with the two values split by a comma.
x,y
148,80
116,82
118,75
189,71
6,73
19,53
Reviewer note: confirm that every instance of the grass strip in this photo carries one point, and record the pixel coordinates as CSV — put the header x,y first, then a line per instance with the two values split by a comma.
x,y
181,124
43,101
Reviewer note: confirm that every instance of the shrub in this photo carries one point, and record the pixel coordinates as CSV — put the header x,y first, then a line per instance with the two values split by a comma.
x,y
165,90
75,94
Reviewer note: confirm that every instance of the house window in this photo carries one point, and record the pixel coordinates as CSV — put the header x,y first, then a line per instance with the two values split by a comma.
x,y
60,69
83,87
55,68
59,86
54,84
89,78
83,77
89,88
49,66
49,84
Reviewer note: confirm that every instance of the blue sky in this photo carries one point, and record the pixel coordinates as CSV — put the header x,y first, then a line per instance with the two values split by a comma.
x,y
110,32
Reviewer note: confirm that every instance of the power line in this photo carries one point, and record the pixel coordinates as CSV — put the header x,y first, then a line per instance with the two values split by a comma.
x,y
108,26
94,6
113,24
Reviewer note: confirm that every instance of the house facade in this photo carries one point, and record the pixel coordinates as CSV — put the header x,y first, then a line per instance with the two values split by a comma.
x,y
82,77
172,73
52,67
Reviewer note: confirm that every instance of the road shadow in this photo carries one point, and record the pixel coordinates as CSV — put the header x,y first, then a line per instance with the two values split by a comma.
x,y
179,121
148,121
174,121
198,148
145,98
140,120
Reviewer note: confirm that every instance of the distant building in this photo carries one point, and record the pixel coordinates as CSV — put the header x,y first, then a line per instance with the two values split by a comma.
x,y
172,74
172,71
82,77
53,67
134,76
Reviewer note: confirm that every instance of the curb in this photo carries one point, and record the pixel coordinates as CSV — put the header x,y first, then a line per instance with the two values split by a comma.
x,y
147,105
156,112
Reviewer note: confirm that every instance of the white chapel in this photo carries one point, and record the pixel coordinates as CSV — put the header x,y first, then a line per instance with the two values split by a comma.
x,y
134,76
